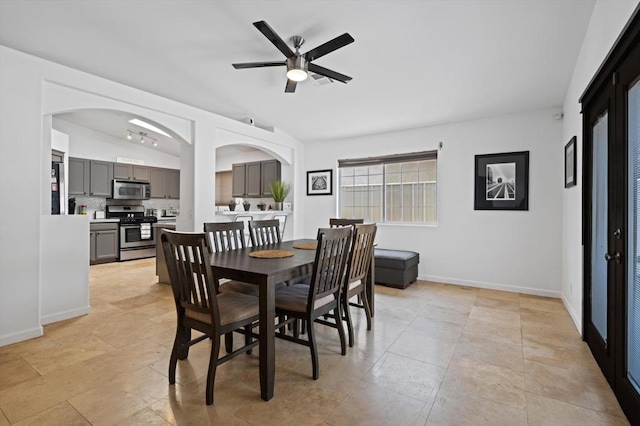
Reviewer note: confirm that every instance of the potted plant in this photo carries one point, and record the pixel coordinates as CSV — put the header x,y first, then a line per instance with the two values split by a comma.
x,y
262,205
247,205
279,191
232,205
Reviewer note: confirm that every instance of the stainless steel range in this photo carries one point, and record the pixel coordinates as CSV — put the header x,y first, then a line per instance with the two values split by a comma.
x,y
136,231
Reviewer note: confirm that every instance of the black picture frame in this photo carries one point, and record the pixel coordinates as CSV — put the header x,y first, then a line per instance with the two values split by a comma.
x,y
502,181
320,182
570,163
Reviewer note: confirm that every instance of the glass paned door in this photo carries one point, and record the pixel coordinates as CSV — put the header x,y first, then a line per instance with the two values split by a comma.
x,y
599,227
633,237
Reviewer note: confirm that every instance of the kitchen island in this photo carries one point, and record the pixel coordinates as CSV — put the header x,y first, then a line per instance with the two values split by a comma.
x,y
161,265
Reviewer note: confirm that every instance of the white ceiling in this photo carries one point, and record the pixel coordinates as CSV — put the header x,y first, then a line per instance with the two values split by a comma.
x,y
413,63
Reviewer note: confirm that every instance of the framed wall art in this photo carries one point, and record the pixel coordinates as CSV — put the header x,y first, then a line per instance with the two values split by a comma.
x,y
320,182
570,156
502,181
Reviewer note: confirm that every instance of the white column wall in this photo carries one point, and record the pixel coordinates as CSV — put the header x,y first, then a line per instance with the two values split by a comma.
x,y
505,250
607,21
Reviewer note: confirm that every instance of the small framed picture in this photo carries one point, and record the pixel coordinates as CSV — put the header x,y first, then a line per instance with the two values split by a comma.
x,y
320,182
502,181
570,156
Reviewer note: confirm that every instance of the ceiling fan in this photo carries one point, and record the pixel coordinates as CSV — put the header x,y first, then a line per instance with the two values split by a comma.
x,y
299,64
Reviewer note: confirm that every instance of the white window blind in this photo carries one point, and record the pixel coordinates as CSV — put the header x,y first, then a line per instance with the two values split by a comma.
x,y
398,188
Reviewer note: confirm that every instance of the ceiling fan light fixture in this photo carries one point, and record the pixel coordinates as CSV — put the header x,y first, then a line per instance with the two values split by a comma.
x,y
297,68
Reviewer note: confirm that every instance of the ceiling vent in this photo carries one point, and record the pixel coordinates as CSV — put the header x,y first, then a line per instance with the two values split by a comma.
x,y
320,80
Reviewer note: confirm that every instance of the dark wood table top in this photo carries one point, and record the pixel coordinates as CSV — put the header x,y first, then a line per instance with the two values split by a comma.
x,y
238,265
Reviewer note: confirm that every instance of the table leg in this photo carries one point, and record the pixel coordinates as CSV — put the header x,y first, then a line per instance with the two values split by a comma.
x,y
267,340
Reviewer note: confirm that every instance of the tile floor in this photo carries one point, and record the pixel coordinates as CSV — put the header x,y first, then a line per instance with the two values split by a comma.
x,y
438,354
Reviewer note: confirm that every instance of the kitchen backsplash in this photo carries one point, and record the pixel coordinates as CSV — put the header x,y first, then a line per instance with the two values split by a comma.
x,y
98,204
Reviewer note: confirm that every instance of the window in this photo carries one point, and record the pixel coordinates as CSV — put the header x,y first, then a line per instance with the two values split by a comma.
x,y
394,189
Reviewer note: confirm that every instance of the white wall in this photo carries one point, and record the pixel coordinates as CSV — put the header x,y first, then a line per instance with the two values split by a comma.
x,y
224,162
32,89
607,21
507,250
87,143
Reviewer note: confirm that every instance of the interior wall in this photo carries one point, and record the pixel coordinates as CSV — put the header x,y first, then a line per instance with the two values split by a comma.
x,y
607,21
224,162
506,250
87,143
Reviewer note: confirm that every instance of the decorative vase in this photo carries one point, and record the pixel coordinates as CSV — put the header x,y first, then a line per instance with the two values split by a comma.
x,y
278,205
262,206
247,206
232,207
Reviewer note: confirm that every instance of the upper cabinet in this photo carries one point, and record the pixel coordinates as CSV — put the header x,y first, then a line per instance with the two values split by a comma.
x,y
131,172
253,179
165,183
90,177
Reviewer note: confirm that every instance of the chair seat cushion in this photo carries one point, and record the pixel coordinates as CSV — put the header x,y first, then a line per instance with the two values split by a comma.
x,y
233,307
294,298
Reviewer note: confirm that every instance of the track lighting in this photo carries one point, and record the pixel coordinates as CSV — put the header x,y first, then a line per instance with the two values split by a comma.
x,y
144,137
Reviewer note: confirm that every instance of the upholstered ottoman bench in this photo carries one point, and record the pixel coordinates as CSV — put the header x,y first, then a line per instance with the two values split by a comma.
x,y
396,268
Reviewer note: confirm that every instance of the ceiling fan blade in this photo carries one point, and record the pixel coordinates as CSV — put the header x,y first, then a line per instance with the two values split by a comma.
x,y
329,73
274,38
329,47
258,64
290,87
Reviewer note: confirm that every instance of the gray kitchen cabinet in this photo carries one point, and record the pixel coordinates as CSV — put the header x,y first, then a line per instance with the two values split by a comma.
x,y
79,176
165,183
173,184
103,242
101,175
237,180
253,179
131,172
253,175
157,180
270,172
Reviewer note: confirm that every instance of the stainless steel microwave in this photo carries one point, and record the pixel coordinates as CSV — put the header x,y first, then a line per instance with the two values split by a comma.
x,y
129,190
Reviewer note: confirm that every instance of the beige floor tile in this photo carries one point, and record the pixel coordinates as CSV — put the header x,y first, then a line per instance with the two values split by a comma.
x,y
416,379
28,347
585,388
436,352
462,410
374,405
460,304
31,397
491,332
445,314
508,355
3,419
499,295
545,351
16,371
542,303
128,358
68,353
61,414
136,301
144,417
435,329
122,397
547,411
482,380
499,304
495,316
458,291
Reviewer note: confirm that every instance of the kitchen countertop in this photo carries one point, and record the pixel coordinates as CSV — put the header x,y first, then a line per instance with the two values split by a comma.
x,y
104,220
252,212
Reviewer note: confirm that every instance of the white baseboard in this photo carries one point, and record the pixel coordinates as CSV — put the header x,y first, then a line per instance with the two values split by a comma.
x,y
19,336
493,286
60,316
576,321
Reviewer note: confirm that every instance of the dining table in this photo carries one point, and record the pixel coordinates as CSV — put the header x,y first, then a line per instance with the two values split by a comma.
x,y
265,273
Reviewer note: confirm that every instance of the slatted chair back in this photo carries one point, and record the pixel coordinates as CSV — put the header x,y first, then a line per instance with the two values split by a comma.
x,y
336,222
264,232
283,222
329,265
188,261
359,261
224,236
245,219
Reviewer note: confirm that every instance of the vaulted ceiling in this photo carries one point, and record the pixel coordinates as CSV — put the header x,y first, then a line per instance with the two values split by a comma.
x,y
413,63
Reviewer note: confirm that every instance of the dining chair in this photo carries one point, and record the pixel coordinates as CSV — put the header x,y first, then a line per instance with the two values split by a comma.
x,y
322,296
358,266
245,219
263,232
200,307
283,222
336,222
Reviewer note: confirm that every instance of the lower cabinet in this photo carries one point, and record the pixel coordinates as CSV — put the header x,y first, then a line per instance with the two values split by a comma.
x,y
103,243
